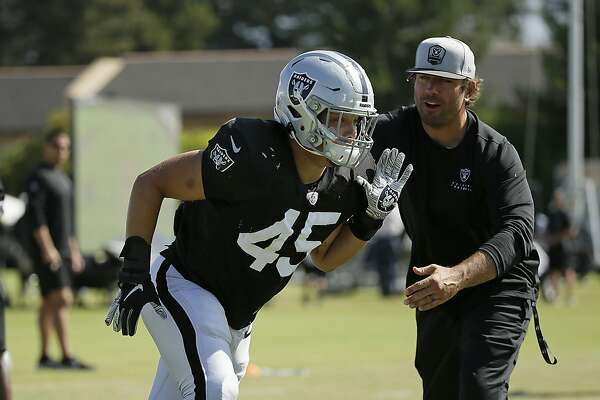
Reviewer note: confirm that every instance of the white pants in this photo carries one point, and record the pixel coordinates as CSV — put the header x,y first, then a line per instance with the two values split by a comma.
x,y
201,357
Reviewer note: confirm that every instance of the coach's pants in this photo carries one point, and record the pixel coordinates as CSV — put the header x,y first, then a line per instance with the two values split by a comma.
x,y
201,357
467,351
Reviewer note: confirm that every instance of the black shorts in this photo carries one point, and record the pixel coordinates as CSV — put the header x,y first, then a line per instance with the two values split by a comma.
x,y
559,258
51,280
468,351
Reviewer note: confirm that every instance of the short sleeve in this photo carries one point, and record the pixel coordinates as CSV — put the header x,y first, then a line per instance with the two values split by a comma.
x,y
36,201
227,170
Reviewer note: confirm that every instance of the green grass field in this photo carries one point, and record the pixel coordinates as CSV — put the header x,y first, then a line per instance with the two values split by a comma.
x,y
350,347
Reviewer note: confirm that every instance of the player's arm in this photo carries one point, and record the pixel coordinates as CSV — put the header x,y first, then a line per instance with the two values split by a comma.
x,y
179,177
338,248
381,196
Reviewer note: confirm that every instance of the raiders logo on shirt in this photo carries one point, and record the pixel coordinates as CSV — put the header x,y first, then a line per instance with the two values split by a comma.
x,y
221,159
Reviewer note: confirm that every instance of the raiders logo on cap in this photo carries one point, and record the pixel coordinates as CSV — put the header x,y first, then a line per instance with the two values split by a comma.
x,y
436,54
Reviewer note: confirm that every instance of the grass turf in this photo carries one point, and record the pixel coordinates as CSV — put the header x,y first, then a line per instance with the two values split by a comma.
x,y
356,346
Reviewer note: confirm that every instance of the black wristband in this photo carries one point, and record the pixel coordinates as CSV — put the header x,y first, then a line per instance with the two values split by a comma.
x,y
136,260
364,227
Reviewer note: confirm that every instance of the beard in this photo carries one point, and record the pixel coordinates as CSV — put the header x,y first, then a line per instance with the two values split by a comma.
x,y
434,118
439,116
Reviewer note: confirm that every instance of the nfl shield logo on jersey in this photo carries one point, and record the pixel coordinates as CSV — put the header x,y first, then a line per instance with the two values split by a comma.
x,y
300,84
221,159
312,197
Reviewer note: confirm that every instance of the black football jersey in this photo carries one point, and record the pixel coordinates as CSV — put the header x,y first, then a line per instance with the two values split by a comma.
x,y
259,220
472,197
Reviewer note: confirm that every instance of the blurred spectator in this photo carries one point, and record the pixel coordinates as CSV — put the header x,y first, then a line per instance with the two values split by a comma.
x,y
559,236
49,212
383,253
314,282
5,388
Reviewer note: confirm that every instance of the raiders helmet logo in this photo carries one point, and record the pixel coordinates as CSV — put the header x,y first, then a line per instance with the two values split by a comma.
x,y
388,199
219,156
436,54
465,173
300,85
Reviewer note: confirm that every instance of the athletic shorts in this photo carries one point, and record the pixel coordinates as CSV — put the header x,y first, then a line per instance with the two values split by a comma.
x,y
51,280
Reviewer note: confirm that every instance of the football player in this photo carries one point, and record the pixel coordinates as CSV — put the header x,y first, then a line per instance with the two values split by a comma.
x,y
259,198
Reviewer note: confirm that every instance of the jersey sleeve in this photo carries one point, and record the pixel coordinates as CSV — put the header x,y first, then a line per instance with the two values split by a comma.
x,y
510,204
228,173
36,201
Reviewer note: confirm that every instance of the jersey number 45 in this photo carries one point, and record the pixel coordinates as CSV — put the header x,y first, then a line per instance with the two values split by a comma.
x,y
279,232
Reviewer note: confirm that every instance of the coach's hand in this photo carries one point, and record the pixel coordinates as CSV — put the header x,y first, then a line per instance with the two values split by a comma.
x,y
136,288
384,192
440,285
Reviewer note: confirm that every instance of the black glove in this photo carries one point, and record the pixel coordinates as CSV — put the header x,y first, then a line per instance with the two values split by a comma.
x,y
135,288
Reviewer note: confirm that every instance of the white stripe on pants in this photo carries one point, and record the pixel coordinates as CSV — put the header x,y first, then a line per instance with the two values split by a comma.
x,y
223,353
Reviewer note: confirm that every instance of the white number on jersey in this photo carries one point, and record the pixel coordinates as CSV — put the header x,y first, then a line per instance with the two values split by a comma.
x,y
279,232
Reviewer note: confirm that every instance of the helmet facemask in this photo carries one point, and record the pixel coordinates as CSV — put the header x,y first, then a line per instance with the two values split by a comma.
x,y
325,133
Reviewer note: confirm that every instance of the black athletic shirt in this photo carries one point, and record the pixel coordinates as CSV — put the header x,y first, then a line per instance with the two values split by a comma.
x,y
50,202
472,197
259,220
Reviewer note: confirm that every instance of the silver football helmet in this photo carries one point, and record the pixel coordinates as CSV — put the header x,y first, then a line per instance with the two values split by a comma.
x,y
317,90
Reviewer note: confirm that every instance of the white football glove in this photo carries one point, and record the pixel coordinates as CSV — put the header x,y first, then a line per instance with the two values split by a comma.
x,y
384,192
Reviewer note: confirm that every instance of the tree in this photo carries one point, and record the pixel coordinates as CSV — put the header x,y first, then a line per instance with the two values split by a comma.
x,y
32,33
76,32
380,34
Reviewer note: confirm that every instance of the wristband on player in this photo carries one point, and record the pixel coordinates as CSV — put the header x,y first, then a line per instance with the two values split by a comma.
x,y
364,227
136,263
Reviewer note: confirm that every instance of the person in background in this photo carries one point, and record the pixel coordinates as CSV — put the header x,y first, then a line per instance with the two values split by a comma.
x,y
50,214
5,386
559,237
383,253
